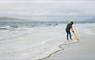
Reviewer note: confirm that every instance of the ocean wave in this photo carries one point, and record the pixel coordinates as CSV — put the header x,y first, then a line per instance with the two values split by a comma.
x,y
29,24
8,27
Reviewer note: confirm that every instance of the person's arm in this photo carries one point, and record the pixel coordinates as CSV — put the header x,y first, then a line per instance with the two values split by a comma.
x,y
72,29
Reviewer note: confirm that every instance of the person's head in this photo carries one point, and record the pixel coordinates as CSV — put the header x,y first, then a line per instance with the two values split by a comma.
x,y
71,22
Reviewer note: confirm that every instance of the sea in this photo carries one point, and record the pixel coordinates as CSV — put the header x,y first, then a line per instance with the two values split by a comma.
x,y
32,24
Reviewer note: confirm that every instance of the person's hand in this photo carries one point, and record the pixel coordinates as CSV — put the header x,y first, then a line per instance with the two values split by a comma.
x,y
73,31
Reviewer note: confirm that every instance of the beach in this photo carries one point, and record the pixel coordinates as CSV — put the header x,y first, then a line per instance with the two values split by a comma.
x,y
84,50
37,29
44,43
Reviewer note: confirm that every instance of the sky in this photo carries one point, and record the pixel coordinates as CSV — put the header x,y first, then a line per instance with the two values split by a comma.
x,y
46,8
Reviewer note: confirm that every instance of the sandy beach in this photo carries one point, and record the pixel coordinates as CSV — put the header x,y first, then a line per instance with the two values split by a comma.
x,y
42,43
84,50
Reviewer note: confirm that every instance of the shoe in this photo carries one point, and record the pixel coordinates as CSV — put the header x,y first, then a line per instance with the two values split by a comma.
x,y
71,39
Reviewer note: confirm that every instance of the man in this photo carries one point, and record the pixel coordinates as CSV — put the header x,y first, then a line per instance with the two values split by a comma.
x,y
68,30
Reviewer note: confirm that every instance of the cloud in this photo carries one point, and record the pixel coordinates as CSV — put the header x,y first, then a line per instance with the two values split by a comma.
x,y
47,7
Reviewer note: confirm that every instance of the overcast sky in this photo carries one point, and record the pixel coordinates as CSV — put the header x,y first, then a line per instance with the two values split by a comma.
x,y
30,8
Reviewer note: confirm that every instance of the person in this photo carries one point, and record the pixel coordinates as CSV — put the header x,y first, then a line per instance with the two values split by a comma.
x,y
69,29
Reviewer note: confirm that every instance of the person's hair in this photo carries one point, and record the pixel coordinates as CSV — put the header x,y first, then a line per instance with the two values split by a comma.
x,y
72,22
